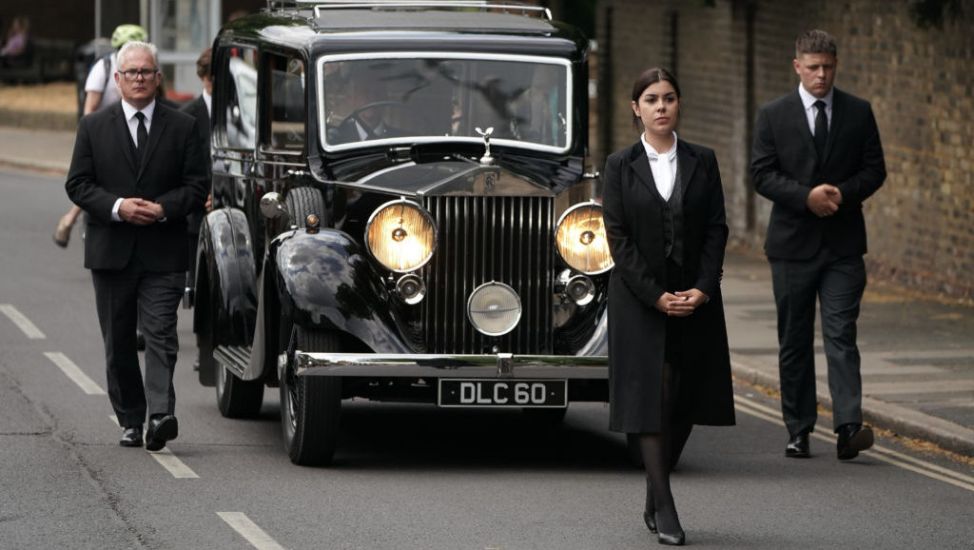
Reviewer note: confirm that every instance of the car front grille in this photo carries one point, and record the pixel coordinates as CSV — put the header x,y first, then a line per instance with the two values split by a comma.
x,y
483,239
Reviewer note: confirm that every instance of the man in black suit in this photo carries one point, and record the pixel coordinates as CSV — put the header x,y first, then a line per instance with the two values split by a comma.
x,y
818,157
200,109
137,172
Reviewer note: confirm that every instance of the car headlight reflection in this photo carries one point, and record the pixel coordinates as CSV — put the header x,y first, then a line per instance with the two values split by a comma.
x,y
401,236
581,241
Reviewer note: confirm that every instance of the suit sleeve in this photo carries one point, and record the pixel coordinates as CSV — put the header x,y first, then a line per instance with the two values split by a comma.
x,y
81,184
769,180
190,196
629,263
872,171
715,234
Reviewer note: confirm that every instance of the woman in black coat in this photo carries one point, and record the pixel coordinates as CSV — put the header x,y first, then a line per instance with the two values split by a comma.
x,y
669,366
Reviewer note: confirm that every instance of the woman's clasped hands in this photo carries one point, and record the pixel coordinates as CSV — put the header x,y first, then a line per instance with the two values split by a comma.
x,y
681,303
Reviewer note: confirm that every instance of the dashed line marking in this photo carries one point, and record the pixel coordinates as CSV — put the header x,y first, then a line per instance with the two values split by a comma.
x,y
75,373
878,452
168,460
22,322
249,530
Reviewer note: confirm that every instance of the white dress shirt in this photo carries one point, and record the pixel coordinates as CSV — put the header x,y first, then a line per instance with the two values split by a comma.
x,y
663,166
208,100
133,124
808,100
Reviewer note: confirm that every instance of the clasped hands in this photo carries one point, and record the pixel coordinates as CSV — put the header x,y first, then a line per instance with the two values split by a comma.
x,y
824,200
140,211
681,303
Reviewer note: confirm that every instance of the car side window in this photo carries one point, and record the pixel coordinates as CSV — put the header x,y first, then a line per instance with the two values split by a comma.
x,y
239,71
286,103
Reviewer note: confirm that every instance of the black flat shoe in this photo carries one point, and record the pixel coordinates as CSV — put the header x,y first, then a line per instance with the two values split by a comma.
x,y
852,438
650,520
131,437
161,429
797,446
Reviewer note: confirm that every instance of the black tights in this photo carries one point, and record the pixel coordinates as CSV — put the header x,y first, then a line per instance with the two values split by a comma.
x,y
658,457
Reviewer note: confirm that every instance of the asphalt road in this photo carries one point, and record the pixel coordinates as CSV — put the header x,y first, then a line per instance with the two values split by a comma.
x,y
406,476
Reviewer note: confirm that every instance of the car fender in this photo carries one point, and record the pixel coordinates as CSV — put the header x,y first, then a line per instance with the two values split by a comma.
x,y
225,265
326,281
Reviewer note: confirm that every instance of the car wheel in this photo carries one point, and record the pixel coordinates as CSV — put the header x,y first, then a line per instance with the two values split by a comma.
x,y
301,201
310,405
204,336
237,398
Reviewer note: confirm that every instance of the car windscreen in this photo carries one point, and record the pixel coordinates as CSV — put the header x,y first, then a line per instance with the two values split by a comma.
x,y
415,98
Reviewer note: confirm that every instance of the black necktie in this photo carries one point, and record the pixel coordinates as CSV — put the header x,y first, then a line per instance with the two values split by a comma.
x,y
141,135
821,129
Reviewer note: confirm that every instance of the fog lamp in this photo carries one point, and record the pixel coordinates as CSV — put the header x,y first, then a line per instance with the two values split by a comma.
x,y
494,309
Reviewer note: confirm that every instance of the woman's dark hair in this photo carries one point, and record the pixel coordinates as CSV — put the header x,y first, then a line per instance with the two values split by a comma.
x,y
647,78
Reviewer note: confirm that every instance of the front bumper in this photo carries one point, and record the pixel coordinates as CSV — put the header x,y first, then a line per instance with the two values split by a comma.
x,y
500,365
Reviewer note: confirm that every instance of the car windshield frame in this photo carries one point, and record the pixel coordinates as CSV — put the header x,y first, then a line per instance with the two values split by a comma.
x,y
569,115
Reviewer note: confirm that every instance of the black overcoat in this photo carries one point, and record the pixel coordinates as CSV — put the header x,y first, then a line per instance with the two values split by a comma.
x,y
637,330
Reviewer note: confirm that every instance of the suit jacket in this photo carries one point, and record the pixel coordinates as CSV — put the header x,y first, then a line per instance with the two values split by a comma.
x,y
634,217
104,168
197,110
785,167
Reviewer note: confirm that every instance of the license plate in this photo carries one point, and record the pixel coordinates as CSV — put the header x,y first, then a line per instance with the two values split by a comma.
x,y
503,393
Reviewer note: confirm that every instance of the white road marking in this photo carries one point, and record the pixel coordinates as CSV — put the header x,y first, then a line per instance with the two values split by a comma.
x,y
73,372
167,460
22,322
878,452
249,530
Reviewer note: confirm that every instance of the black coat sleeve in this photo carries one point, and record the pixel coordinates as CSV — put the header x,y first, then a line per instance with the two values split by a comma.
x,y
872,171
81,184
715,233
629,263
769,180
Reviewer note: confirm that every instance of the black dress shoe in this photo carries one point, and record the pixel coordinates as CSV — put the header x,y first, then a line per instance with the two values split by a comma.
x,y
852,438
797,446
161,429
678,538
131,437
650,520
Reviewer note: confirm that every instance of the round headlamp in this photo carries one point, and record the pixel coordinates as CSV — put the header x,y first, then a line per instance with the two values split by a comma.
x,y
581,241
494,309
401,236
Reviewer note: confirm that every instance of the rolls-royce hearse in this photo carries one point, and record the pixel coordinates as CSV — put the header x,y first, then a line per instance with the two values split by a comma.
x,y
401,213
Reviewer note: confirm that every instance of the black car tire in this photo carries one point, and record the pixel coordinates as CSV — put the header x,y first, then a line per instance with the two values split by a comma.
x,y
204,336
237,398
301,201
310,405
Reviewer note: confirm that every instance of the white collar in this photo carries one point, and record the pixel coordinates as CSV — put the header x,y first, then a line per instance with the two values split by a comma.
x,y
130,111
653,154
808,99
208,100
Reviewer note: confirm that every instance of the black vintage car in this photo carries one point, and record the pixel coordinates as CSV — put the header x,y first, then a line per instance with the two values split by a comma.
x,y
401,213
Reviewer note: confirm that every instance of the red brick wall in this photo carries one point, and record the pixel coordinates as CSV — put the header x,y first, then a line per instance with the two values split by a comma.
x,y
920,83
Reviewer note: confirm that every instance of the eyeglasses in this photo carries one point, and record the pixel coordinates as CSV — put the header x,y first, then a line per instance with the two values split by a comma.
x,y
133,74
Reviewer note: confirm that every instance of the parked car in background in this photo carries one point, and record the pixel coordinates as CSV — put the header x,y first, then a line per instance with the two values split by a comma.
x,y
401,213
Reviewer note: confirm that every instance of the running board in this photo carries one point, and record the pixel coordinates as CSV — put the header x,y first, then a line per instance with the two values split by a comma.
x,y
234,358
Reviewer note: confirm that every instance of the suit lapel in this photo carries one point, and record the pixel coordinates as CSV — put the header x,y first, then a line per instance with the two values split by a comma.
x,y
640,165
687,163
124,137
158,127
801,119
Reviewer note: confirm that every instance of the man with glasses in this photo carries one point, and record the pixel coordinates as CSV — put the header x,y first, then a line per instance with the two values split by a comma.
x,y
137,171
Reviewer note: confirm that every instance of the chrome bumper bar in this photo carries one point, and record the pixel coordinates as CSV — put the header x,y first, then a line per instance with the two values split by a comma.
x,y
500,365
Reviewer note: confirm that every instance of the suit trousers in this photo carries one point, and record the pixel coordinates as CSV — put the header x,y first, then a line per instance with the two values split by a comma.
x,y
124,297
838,282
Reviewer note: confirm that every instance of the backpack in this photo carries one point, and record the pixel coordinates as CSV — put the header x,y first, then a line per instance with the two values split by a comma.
x,y
98,50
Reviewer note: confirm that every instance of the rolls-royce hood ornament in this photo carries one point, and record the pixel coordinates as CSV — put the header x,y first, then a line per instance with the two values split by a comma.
x,y
486,159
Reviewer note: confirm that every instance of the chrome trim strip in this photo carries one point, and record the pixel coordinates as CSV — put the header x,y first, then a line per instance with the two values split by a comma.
x,y
501,365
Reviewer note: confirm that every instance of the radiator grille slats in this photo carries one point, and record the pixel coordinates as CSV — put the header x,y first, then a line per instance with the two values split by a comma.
x,y
482,239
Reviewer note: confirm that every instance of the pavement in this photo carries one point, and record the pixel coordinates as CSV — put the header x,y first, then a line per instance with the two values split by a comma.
x,y
917,352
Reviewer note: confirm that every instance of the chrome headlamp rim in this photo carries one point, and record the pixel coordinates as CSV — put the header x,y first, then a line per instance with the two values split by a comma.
x,y
517,298
422,211
554,236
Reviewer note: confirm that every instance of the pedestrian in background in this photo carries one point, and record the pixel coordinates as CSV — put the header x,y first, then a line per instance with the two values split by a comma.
x,y
669,365
15,49
200,109
817,156
100,92
137,173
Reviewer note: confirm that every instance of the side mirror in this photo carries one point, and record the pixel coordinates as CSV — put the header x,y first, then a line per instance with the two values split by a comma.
x,y
271,205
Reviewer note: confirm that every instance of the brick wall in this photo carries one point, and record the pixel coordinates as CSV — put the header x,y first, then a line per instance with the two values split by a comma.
x,y
736,55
